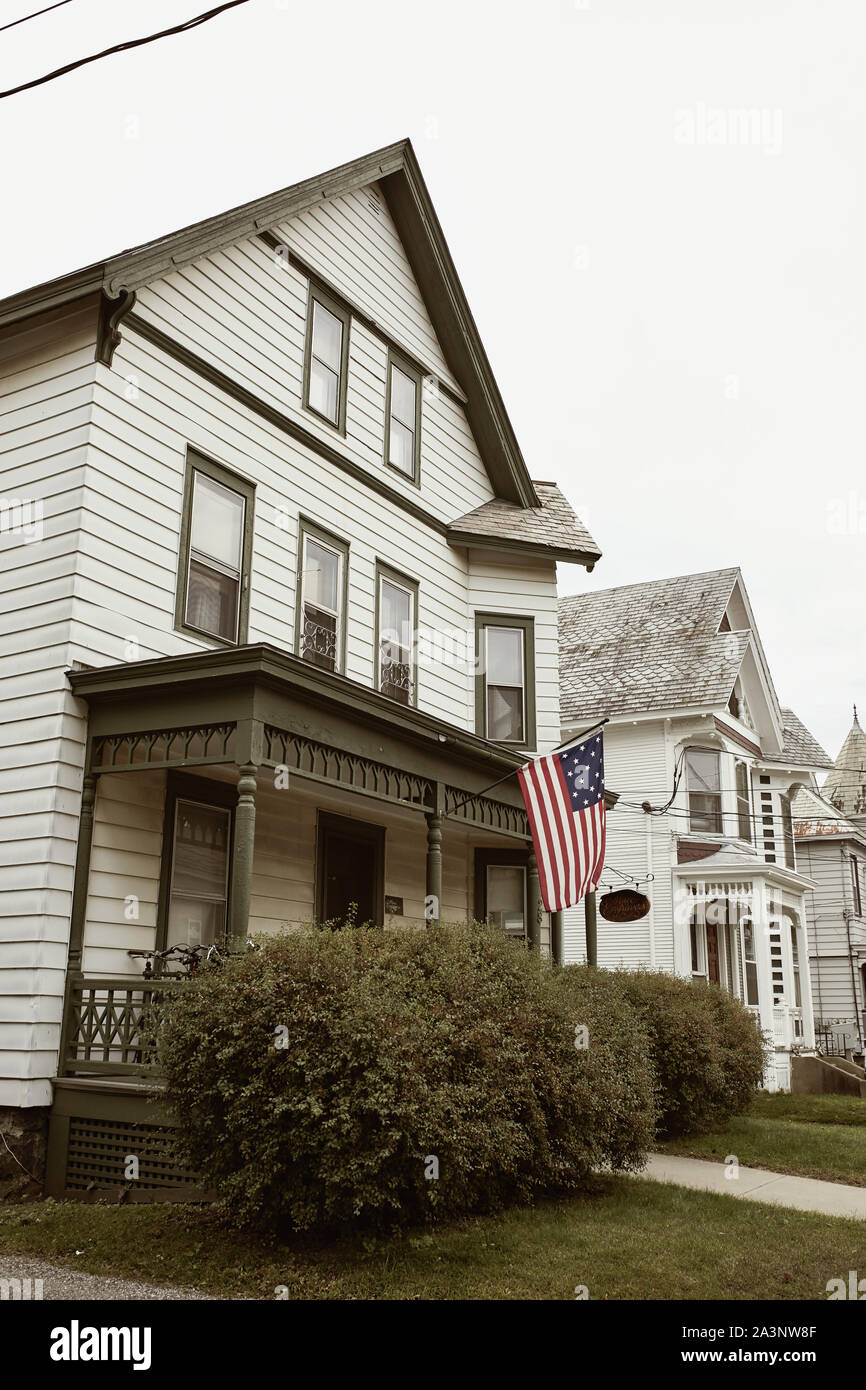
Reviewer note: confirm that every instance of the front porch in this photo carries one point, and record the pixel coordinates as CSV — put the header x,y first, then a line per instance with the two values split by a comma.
x,y
231,793
742,926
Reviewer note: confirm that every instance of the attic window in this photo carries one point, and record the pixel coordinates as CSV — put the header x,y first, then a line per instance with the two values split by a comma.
x,y
724,625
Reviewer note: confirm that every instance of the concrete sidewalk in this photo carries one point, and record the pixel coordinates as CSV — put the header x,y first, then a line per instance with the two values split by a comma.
x,y
759,1185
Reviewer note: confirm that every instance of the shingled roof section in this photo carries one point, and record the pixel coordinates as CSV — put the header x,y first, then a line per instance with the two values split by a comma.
x,y
817,818
648,646
800,746
846,785
553,528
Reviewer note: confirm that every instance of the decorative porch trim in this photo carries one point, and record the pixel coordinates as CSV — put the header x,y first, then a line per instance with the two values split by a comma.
x,y
484,812
320,763
197,744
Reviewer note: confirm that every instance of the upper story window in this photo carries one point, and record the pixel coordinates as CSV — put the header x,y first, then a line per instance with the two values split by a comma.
x,y
326,358
403,419
855,881
744,801
322,584
505,692
396,605
703,783
215,550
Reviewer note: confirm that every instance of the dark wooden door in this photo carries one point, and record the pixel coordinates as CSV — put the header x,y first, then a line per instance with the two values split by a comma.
x,y
713,953
351,870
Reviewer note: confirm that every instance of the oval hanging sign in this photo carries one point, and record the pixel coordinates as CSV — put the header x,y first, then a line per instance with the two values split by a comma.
x,y
624,905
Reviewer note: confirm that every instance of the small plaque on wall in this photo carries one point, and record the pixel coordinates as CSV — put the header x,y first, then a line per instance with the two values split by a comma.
x,y
394,906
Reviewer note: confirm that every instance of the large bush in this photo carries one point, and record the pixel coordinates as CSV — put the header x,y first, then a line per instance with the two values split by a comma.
x,y
404,1051
706,1050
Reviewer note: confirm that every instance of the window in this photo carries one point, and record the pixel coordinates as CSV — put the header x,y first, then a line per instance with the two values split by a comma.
x,y
215,550
787,829
403,419
195,872
505,681
749,959
500,889
855,882
695,943
704,791
321,615
326,358
396,602
744,804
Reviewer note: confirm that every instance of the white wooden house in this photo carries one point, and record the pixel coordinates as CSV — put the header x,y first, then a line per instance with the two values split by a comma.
x,y
279,605
705,763
830,834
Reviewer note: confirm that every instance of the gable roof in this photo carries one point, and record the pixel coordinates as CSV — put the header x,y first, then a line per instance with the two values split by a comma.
x,y
846,784
552,528
648,646
396,170
799,746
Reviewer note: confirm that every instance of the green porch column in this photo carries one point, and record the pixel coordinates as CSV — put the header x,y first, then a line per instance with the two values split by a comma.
x,y
556,937
242,858
533,902
82,871
591,929
433,901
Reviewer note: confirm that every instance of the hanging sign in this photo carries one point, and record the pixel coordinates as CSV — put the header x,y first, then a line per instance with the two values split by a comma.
x,y
624,905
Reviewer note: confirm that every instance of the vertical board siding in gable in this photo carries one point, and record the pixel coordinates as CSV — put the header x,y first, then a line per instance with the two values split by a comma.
x,y
46,386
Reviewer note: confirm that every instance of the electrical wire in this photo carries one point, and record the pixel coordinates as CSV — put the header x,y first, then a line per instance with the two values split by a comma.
x,y
24,18
123,47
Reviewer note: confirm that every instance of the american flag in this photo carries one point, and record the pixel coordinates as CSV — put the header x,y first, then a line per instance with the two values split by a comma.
x,y
564,798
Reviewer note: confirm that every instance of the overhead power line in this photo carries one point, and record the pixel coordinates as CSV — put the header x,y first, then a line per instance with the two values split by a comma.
x,y
24,18
123,47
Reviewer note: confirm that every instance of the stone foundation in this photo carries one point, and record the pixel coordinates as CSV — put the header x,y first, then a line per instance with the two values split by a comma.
x,y
24,1132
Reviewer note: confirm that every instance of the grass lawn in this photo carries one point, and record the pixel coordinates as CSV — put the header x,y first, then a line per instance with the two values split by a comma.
x,y
814,1136
628,1239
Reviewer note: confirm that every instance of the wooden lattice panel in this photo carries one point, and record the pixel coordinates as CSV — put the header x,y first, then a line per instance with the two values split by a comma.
x,y
98,1152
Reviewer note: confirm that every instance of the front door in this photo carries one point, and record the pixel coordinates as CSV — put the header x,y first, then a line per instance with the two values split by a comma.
x,y
351,879
713,953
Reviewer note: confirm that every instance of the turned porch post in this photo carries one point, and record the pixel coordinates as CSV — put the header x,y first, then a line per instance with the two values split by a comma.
x,y
556,937
433,901
591,921
82,871
250,751
533,902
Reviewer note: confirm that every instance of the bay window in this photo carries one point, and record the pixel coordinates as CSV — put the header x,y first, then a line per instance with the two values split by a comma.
x,y
704,787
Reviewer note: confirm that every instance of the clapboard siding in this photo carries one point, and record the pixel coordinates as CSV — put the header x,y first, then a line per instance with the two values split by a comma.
x,y
244,310
145,438
527,588
47,374
634,756
835,995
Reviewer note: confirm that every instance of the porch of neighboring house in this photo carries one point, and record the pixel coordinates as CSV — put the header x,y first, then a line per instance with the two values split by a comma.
x,y
746,933
231,793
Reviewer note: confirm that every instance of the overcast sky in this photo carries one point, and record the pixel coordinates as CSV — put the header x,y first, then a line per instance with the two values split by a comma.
x,y
654,208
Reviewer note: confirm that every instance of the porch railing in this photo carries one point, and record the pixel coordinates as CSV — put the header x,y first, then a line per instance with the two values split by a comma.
x,y
108,1025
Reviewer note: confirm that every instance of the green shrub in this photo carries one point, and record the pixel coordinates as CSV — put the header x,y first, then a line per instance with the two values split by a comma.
x,y
706,1052
401,1047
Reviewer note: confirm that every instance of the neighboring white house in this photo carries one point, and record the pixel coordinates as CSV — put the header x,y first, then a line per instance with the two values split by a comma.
x,y
279,607
830,834
705,764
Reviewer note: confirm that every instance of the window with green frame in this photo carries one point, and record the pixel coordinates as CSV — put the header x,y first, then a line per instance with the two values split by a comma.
x,y
216,541
326,357
403,418
505,679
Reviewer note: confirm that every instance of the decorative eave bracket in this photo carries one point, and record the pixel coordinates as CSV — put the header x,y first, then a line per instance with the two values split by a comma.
x,y
112,312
